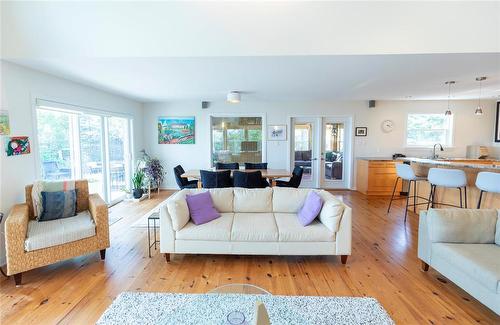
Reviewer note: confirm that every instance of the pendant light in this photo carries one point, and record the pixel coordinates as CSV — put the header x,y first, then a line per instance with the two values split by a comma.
x,y
479,108
448,110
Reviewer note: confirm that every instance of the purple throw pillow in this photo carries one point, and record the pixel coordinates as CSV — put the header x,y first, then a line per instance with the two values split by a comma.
x,y
201,208
310,209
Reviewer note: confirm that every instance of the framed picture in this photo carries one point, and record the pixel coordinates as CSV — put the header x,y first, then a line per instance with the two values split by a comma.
x,y
361,131
497,124
15,146
276,132
4,123
176,130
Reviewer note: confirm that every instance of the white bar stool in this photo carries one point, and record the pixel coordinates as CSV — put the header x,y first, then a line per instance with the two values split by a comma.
x,y
448,178
406,173
487,182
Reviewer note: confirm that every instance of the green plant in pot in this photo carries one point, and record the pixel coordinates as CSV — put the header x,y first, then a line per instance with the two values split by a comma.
x,y
138,182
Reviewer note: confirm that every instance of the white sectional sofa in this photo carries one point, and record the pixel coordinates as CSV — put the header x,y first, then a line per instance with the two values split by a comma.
x,y
256,222
464,246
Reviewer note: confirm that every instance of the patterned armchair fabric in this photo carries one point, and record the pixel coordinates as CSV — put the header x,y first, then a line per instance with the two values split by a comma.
x,y
16,226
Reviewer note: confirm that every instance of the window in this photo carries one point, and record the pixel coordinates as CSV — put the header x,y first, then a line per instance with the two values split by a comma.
x,y
303,137
76,144
427,129
236,139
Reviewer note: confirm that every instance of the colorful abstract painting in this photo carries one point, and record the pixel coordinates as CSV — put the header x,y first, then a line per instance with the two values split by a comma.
x,y
4,123
17,146
176,130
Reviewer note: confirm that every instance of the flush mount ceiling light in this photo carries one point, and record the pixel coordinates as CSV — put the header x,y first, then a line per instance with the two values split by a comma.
x,y
479,108
233,97
448,110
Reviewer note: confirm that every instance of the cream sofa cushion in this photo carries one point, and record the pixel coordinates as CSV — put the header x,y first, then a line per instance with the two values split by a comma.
x,y
288,200
253,200
218,229
478,261
45,234
222,198
254,227
331,212
462,226
178,209
497,231
290,229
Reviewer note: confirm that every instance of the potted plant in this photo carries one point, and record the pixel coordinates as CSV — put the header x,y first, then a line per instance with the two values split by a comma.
x,y
154,171
138,182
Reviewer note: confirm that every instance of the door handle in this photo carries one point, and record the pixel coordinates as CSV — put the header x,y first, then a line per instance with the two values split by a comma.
x,y
314,159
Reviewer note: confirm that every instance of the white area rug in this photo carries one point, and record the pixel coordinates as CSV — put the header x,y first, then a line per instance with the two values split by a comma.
x,y
168,308
143,221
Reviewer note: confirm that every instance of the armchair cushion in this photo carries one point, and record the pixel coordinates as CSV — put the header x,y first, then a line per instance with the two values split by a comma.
x,y
57,232
469,226
58,205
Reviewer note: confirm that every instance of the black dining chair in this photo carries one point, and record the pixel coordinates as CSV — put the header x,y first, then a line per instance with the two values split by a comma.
x,y
232,166
294,180
249,179
255,165
218,179
183,182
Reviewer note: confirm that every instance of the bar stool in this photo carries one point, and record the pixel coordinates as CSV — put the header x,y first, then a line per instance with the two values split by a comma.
x,y
406,173
448,178
487,182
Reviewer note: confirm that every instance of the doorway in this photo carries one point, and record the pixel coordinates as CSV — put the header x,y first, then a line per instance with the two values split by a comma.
x,y
322,147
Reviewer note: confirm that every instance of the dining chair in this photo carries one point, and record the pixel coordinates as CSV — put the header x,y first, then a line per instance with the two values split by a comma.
x,y
249,179
233,166
217,179
295,180
183,182
255,165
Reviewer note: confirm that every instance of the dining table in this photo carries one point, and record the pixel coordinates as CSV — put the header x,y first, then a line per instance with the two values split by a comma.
x,y
271,174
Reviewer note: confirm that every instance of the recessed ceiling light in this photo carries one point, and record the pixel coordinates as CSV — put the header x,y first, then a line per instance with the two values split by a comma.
x,y
233,97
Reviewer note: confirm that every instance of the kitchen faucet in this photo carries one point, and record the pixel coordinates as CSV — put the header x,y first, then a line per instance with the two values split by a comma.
x,y
434,155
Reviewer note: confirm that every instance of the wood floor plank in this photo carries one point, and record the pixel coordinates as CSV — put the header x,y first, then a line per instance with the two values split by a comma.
x,y
383,265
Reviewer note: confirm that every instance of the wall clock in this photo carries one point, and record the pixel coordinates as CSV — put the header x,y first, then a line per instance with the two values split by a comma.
x,y
387,126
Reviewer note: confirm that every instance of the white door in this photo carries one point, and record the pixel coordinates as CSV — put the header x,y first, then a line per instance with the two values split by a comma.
x,y
305,148
335,152
322,147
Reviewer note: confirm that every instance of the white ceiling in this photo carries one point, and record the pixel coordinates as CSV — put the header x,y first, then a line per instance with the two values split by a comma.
x,y
270,50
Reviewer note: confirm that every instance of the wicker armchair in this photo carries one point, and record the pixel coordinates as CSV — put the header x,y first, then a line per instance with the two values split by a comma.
x,y
16,229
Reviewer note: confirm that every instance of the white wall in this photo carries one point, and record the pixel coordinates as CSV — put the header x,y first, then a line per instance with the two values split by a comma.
x,y
469,128
19,88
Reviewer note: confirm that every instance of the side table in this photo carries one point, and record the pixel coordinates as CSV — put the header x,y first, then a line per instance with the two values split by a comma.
x,y
153,216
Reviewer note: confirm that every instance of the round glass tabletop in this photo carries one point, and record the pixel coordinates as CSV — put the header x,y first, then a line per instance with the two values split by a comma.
x,y
239,288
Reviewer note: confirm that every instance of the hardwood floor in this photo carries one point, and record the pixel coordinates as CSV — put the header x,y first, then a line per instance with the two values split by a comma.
x,y
383,265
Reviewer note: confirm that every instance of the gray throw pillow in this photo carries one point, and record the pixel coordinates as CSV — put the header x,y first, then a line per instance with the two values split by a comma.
x,y
58,205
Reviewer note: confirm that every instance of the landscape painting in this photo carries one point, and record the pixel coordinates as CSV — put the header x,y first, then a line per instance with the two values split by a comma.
x,y
176,130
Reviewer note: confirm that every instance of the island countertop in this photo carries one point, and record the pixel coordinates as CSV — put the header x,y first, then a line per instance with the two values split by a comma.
x,y
490,164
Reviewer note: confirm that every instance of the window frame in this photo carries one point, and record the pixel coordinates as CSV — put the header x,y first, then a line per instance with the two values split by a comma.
x,y
263,138
427,146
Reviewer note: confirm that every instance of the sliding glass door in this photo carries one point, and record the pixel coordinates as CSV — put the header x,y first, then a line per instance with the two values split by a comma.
x,y
118,156
91,152
73,144
55,144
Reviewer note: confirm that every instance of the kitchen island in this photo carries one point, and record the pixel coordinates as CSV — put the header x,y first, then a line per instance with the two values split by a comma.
x,y
471,167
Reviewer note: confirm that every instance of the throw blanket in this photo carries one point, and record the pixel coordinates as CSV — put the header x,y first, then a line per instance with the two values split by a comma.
x,y
45,186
